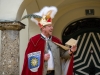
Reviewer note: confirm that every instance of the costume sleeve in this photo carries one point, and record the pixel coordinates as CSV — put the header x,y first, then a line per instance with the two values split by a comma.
x,y
64,54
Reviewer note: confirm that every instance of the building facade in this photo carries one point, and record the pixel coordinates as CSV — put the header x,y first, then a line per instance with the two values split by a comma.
x,y
78,19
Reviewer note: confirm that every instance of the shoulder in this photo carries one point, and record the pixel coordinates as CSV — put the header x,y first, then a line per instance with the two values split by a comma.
x,y
55,39
36,37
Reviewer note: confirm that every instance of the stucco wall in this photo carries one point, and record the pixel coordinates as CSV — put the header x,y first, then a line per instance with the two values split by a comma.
x,y
24,37
67,13
8,9
71,16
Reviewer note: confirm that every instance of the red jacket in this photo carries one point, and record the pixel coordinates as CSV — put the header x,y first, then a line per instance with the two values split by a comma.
x,y
36,43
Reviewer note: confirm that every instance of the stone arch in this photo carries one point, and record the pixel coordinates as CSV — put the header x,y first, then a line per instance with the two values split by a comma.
x,y
68,14
22,8
66,8
87,32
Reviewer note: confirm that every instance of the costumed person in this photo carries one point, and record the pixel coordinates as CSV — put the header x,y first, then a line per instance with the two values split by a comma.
x,y
42,56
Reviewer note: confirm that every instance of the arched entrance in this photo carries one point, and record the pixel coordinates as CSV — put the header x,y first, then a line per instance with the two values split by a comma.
x,y
87,56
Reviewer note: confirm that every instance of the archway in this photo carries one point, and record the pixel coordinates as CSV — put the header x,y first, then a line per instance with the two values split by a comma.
x,y
87,56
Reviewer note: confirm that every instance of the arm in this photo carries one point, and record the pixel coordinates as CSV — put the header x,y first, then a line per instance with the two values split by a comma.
x,y
64,54
67,54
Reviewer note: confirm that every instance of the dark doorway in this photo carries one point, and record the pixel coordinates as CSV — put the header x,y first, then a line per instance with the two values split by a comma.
x,y
87,56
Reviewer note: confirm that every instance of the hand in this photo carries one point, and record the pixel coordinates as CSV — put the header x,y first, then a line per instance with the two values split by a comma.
x,y
73,49
46,56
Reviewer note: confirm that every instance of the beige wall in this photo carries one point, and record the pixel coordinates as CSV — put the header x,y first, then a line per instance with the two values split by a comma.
x,y
8,9
68,12
63,18
24,37
71,16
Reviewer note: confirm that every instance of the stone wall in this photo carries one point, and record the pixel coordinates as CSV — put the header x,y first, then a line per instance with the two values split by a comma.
x,y
9,57
9,53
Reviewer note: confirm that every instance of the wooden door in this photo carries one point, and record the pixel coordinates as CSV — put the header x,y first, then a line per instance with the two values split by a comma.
x,y
87,56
